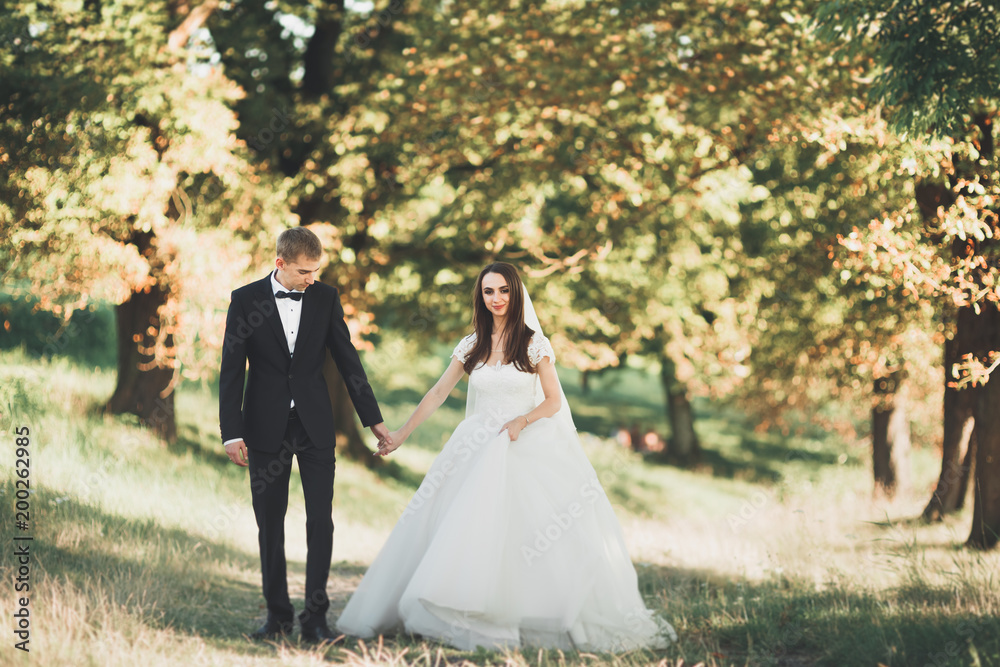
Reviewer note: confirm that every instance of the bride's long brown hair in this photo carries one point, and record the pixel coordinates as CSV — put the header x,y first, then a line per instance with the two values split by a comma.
x,y
518,334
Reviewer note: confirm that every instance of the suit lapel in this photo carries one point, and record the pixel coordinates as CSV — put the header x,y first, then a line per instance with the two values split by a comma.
x,y
308,315
267,295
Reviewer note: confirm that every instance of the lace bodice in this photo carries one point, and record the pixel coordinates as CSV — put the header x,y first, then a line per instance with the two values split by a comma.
x,y
501,390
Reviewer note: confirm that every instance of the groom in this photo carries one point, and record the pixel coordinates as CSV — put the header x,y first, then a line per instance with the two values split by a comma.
x,y
282,326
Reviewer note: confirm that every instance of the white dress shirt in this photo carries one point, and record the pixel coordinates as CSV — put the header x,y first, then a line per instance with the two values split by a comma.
x,y
290,312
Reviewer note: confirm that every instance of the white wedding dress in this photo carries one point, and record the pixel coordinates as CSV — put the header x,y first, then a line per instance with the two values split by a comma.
x,y
507,544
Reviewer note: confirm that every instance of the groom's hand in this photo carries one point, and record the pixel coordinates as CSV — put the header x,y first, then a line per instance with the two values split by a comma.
x,y
381,432
237,453
385,440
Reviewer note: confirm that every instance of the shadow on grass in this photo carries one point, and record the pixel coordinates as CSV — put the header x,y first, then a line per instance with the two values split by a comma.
x,y
717,464
173,579
167,578
191,439
758,460
406,477
622,492
788,622
603,413
754,459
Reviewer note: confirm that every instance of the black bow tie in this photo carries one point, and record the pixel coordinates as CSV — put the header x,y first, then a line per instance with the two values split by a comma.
x,y
294,296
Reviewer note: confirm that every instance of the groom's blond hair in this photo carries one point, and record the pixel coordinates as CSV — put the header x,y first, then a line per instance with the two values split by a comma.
x,y
299,242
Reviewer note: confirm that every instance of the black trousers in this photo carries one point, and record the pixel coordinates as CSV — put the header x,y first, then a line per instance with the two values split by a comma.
x,y
269,475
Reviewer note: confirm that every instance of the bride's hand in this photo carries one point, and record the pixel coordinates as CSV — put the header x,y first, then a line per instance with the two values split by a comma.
x,y
395,440
514,427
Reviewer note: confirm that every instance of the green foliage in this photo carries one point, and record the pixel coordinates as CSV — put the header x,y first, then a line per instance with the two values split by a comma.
x,y
672,178
87,337
123,173
826,326
678,194
937,62
938,71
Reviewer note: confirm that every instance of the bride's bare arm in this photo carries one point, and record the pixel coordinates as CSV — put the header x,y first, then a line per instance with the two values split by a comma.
x,y
431,401
550,406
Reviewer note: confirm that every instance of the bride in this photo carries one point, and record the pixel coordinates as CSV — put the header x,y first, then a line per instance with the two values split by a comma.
x,y
510,540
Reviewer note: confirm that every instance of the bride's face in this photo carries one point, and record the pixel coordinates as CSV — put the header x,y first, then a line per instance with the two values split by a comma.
x,y
496,294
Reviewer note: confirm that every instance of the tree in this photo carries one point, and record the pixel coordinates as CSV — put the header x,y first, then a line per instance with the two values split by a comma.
x,y
586,145
125,184
618,153
833,331
939,74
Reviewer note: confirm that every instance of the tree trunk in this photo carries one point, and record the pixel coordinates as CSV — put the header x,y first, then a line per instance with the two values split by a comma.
x,y
146,355
890,436
967,465
319,59
683,445
350,441
985,339
986,512
960,429
958,448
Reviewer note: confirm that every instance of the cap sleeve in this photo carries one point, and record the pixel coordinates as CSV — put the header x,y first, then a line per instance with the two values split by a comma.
x,y
464,347
540,347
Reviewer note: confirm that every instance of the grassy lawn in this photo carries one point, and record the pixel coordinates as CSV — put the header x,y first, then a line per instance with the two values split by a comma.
x,y
773,553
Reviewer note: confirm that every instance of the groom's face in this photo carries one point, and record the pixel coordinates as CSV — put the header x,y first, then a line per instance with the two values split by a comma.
x,y
297,274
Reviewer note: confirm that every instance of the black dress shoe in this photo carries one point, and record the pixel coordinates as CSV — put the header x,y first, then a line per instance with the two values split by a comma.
x,y
272,629
319,635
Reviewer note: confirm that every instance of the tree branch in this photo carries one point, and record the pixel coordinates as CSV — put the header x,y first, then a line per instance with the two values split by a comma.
x,y
180,35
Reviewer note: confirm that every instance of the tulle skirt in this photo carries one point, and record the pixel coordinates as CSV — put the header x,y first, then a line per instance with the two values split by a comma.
x,y
508,544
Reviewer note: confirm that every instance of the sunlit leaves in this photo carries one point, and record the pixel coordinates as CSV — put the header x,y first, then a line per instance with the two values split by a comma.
x,y
113,141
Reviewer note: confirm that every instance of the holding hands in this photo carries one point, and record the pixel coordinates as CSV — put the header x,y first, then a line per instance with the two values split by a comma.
x,y
387,442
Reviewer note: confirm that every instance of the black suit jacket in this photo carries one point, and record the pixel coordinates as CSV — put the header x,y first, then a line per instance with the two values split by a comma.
x,y
254,333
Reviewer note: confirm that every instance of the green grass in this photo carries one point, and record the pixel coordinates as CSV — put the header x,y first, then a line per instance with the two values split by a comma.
x,y
772,553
